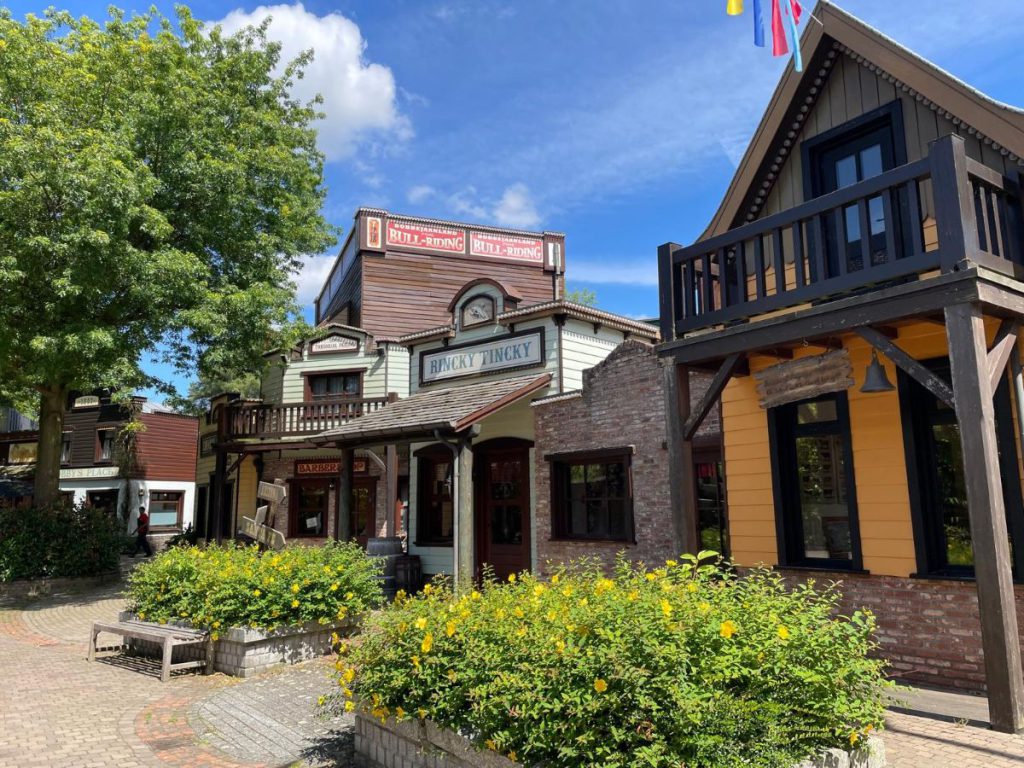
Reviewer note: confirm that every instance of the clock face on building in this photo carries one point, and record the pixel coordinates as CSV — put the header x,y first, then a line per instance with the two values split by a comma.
x,y
478,310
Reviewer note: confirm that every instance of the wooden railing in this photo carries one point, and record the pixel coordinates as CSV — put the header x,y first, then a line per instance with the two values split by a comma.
x,y
931,214
262,420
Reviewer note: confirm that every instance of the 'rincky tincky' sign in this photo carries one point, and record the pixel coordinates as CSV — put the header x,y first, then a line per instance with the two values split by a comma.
x,y
513,351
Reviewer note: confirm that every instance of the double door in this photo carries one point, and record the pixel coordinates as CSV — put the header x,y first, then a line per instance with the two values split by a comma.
x,y
311,508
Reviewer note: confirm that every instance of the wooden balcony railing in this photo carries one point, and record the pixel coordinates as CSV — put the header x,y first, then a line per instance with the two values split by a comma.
x,y
262,420
928,215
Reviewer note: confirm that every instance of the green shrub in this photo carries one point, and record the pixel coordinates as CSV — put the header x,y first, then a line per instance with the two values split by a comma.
x,y
62,541
230,586
683,665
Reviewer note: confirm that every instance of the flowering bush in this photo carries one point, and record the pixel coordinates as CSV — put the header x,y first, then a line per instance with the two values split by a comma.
x,y
680,666
229,586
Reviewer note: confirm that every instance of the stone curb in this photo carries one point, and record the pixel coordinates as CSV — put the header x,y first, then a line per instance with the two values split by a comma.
x,y
25,588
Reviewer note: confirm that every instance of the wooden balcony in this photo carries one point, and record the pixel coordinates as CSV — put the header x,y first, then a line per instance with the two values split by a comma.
x,y
263,421
921,218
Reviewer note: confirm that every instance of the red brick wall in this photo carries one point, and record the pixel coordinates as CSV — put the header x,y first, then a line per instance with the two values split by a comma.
x,y
928,629
622,403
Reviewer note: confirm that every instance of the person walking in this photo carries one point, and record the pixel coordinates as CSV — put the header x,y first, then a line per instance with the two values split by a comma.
x,y
141,531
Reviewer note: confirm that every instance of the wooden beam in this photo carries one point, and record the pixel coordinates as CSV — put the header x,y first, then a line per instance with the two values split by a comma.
x,y
975,412
781,353
999,355
465,567
711,395
829,343
682,485
343,529
910,366
391,454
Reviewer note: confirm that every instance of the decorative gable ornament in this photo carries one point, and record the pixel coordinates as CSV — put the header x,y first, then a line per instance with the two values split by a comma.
x,y
805,378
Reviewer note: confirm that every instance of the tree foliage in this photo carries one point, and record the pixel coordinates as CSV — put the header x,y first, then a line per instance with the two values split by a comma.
x,y
158,188
583,296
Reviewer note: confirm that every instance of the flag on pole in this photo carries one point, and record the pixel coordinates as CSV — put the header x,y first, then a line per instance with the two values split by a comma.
x,y
734,7
779,45
792,16
758,25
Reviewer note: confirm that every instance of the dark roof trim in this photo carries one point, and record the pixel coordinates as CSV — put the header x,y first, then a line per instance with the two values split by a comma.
x,y
507,291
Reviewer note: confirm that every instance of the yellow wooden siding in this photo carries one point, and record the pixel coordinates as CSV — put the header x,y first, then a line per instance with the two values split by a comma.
x,y
883,500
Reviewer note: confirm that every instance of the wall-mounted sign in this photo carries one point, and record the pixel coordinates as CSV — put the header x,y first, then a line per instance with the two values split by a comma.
x,y
86,473
426,237
326,467
374,236
206,443
509,247
86,401
806,377
516,350
335,343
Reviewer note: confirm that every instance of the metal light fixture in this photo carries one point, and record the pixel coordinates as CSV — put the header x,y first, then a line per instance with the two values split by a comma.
x,y
875,379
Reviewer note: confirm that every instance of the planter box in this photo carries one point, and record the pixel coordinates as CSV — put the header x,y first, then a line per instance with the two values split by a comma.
x,y
421,744
242,652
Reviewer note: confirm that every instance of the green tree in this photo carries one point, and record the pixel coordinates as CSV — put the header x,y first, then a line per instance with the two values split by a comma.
x,y
583,296
158,188
200,391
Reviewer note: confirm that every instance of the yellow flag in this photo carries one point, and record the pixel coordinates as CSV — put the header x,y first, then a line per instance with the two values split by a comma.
x,y
734,7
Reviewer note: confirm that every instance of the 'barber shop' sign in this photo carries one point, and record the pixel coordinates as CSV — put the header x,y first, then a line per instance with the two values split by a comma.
x,y
518,350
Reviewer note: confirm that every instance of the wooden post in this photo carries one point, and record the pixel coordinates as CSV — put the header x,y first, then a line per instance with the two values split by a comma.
x,y
392,488
682,488
216,517
466,564
975,413
667,291
343,530
955,218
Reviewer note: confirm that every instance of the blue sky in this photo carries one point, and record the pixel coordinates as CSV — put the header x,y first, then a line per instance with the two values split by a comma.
x,y
617,122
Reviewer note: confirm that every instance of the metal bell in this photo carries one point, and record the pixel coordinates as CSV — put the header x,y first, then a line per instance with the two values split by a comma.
x,y
875,379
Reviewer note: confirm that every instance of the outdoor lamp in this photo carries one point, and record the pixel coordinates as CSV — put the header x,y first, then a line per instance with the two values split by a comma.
x,y
875,379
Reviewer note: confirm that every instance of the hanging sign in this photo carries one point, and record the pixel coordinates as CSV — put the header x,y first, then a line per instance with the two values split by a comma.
x,y
518,350
331,344
807,377
508,247
426,237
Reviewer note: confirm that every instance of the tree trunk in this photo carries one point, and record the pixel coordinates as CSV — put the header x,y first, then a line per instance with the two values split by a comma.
x,y
51,436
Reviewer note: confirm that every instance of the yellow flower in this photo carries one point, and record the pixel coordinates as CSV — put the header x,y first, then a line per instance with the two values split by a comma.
x,y
783,632
603,585
671,563
499,614
854,738
416,661
347,692
651,576
692,587
538,590
518,612
295,588
559,646
399,713
334,587
475,595
600,685
512,755
349,706
421,623
666,608
511,578
295,603
142,616
348,675
257,592
349,595
428,643
491,745
450,628
555,579
704,607
428,588
727,629
633,596
422,713
451,675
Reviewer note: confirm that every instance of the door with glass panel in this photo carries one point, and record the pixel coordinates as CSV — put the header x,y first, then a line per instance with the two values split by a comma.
x,y
503,505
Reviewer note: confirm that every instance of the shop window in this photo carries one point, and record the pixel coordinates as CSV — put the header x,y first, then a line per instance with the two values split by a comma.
x,y
165,509
435,508
712,528
592,496
103,499
105,444
309,507
935,472
332,386
815,498
65,448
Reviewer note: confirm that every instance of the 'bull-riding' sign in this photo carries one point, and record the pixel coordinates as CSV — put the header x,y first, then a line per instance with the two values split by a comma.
x,y
517,350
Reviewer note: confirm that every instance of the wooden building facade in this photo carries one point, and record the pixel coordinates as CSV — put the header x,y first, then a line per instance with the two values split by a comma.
x,y
857,299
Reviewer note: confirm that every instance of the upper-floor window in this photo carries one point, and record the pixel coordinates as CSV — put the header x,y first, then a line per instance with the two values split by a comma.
x,y
65,448
334,385
105,444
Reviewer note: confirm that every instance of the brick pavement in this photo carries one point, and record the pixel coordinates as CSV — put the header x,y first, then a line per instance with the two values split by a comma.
x,y
57,710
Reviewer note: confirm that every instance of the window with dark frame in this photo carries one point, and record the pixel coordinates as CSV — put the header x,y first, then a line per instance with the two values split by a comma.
x,y
165,508
65,448
935,476
105,444
815,496
328,386
435,507
592,496
309,507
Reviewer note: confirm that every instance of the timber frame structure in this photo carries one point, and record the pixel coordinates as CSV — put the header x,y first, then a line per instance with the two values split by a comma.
x,y
935,240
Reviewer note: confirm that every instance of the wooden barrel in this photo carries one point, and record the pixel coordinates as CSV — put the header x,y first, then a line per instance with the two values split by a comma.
x,y
389,549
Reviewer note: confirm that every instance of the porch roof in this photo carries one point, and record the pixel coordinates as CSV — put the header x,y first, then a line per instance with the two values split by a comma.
x,y
449,411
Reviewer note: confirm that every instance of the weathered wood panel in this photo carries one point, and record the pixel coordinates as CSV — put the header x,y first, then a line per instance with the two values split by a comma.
x,y
804,378
167,448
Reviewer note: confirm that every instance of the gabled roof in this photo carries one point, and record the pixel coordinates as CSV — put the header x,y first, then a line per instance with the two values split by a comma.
x,y
446,410
997,123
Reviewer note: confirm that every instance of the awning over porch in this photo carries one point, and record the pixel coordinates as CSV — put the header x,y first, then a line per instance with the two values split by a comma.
x,y
448,411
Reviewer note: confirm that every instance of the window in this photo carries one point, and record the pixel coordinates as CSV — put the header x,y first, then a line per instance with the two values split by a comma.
x,y
65,448
103,499
105,444
936,477
309,507
22,453
709,474
435,508
815,499
165,509
592,496
334,385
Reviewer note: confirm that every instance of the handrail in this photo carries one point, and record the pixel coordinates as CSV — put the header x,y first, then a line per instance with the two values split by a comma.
x,y
267,420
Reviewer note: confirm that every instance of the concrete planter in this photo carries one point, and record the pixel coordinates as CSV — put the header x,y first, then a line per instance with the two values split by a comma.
x,y
421,744
244,652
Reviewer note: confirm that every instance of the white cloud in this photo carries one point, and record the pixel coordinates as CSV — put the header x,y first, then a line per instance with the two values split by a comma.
x,y
613,271
516,208
312,277
359,97
420,194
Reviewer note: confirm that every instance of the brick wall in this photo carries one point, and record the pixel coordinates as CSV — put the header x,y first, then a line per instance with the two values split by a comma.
x,y
622,403
928,629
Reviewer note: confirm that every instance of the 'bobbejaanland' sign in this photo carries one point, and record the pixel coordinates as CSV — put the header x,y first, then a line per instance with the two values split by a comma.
x,y
516,350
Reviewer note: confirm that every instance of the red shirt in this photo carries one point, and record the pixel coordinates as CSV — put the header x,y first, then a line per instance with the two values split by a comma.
x,y
143,523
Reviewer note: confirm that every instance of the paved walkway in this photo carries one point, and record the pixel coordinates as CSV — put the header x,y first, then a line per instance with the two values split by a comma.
x,y
56,709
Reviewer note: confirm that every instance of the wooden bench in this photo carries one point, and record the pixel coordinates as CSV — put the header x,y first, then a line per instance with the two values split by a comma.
x,y
166,636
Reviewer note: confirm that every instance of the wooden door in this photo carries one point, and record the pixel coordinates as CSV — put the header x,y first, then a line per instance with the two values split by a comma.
x,y
364,509
503,506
